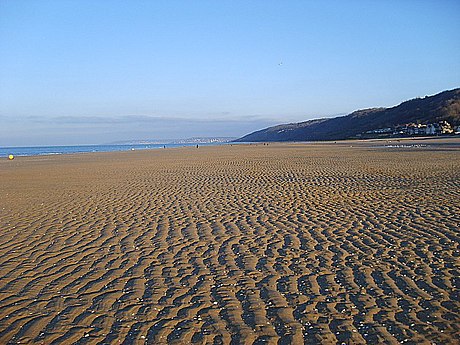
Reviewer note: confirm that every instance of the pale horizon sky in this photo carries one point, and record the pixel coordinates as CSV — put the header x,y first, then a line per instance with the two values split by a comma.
x,y
91,72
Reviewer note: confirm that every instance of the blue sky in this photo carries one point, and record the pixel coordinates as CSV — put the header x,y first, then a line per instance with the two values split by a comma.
x,y
81,72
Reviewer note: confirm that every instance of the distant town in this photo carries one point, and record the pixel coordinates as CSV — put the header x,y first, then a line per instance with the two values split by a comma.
x,y
194,140
413,129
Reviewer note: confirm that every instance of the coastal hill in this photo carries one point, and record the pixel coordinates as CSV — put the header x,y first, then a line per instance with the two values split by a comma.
x,y
444,106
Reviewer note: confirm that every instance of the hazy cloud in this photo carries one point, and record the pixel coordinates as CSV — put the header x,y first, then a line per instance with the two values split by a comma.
x,y
147,119
62,130
128,119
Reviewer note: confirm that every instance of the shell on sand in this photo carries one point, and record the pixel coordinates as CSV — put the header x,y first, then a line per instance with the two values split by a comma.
x,y
286,243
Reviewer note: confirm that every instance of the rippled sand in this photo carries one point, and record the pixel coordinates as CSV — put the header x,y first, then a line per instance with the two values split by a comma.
x,y
278,244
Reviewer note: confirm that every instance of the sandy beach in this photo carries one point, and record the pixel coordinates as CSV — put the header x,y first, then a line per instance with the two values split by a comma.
x,y
352,242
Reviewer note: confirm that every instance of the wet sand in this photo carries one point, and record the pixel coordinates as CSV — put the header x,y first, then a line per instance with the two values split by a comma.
x,y
329,243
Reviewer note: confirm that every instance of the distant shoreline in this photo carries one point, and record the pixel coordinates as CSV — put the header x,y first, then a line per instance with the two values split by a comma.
x,y
32,151
27,151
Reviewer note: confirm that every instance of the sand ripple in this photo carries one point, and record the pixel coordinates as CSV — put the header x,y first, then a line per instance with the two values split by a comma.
x,y
279,244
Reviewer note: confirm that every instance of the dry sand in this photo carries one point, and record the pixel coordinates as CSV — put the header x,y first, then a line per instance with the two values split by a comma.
x,y
281,244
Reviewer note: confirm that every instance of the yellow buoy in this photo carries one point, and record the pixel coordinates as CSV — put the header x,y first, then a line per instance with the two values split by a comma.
x,y
10,157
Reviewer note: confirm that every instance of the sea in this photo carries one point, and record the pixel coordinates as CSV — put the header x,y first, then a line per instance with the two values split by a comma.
x,y
60,150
